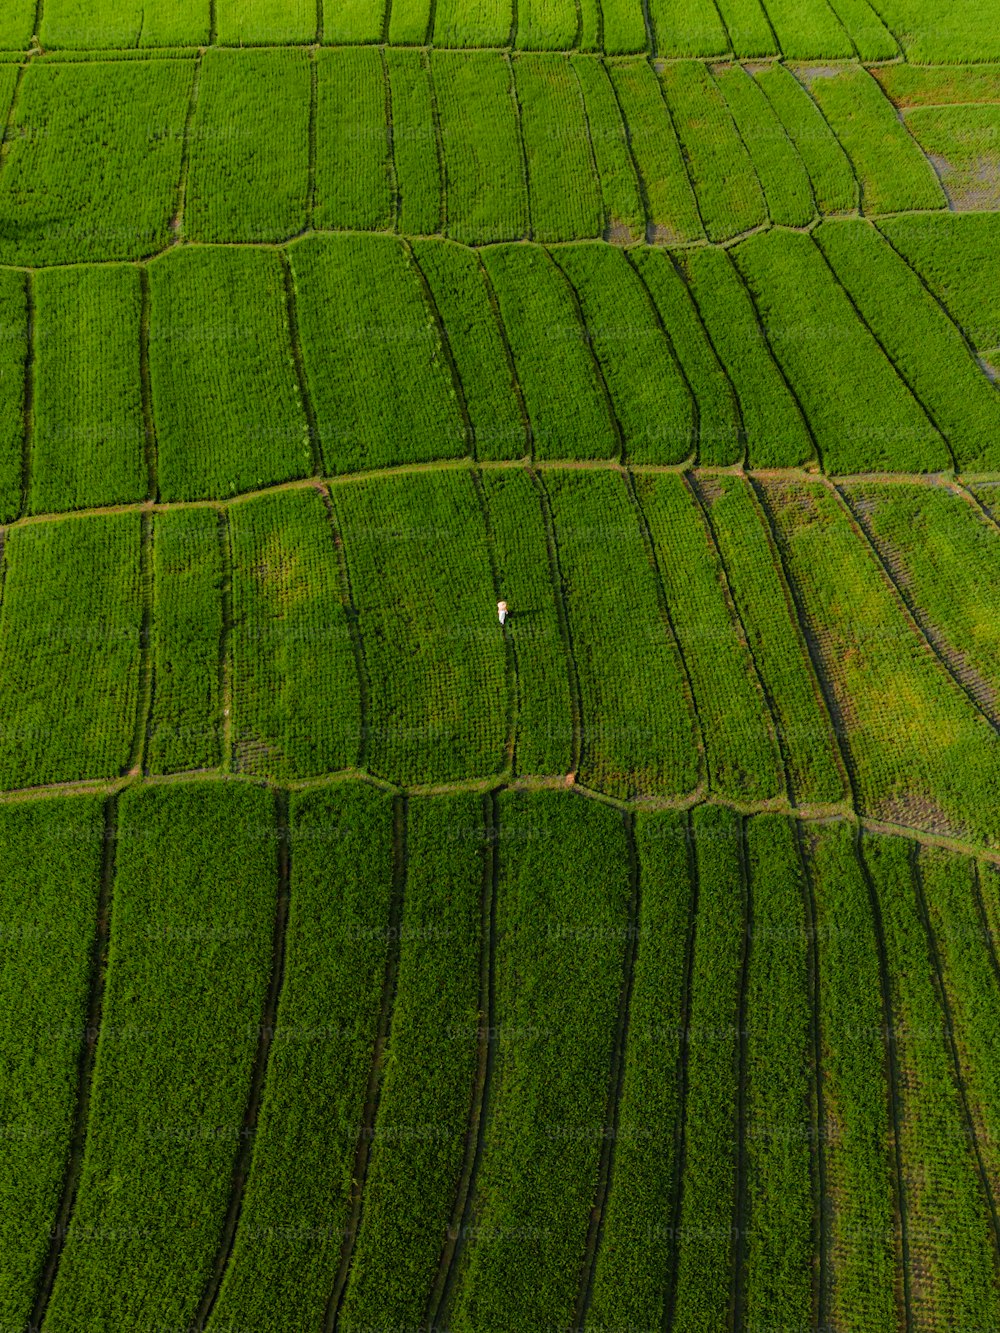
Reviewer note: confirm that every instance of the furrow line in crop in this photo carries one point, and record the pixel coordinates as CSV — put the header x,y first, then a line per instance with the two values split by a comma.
x,y
682,150
148,421
28,401
367,1128
397,197
658,320
319,21
268,1023
616,1081
988,936
442,333
935,642
680,1150
513,679
963,1091
85,1068
177,225
598,369
438,142
820,672
518,121
292,316
664,605
850,162
821,1245
144,702
462,1213
892,1069
508,353
353,625
562,616
740,1212
640,183
313,110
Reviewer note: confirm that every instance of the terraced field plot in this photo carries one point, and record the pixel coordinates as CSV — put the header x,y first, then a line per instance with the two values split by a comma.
x,y
372,963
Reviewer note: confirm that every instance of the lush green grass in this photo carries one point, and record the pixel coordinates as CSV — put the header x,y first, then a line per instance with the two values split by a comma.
x,y
69,650
563,187
961,141
544,734
249,170
566,401
952,1255
730,198
652,403
562,931
296,1208
633,1261
862,415
750,31
915,85
487,193
296,704
743,759
420,573
355,181
83,24
623,212
380,382
639,733
472,22
623,27
186,718
188,963
354,21
265,22
50,864
430,1071
94,157
13,356
688,28
226,402
863,1244
834,186
87,445
779,1123
414,147
865,27
809,29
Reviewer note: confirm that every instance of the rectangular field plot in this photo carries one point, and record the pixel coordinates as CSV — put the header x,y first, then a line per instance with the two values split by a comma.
x,y
563,922
961,142
688,28
461,292
719,429
248,178
834,185
893,173
861,412
312,1114
487,194
671,211
951,1240
354,21
562,180
744,763
639,734
50,865
547,25
923,343
94,161
14,342
652,403
750,31
188,965
414,144
296,695
69,650
624,218
226,400
188,572
567,405
416,548
473,23
929,39
17,23
544,737
808,30
753,571
84,24
354,159
953,253
380,381
632,1271
942,554
730,199
420,1129
921,753
265,22
88,437
862,1231
871,38
944,85
775,433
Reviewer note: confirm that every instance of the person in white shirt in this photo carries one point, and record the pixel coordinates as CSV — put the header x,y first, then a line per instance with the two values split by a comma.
x,y
502,612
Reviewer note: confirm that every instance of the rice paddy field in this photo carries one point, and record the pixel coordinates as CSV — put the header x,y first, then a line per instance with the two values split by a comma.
x,y
377,967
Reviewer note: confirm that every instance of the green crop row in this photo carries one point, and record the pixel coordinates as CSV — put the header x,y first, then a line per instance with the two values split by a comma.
x,y
834,185
419,192
562,936
354,184
950,1240
296,1209
50,864
192,919
623,215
